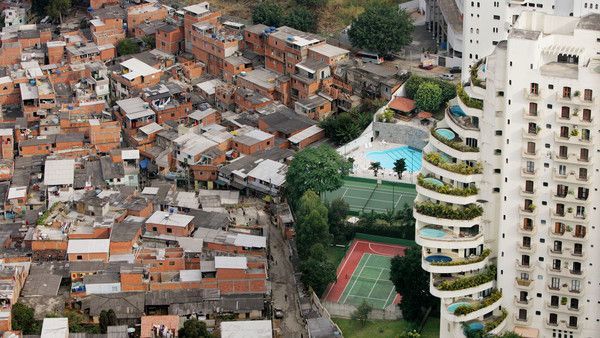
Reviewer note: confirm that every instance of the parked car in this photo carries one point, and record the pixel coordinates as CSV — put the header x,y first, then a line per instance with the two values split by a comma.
x,y
455,70
447,76
426,67
278,313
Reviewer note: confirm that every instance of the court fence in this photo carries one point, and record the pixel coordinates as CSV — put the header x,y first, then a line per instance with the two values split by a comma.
x,y
382,239
391,312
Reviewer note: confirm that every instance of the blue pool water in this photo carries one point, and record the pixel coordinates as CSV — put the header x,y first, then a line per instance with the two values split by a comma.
x,y
434,181
476,326
438,258
453,307
411,156
446,133
432,233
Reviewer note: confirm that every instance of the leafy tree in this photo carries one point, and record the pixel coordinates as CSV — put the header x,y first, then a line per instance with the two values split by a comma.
x,y
428,97
337,213
347,126
412,85
317,271
56,9
193,328
412,282
318,169
302,19
268,13
149,41
311,223
107,318
410,334
375,166
23,319
382,29
312,3
127,46
362,312
400,167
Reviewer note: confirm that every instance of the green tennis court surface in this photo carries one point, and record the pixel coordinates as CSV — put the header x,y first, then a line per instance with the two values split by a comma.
x,y
370,282
364,195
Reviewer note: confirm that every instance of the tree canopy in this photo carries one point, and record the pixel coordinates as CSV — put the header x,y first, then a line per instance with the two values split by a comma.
x,y
317,271
382,29
107,318
338,211
400,166
318,169
56,9
302,19
23,319
127,46
414,82
193,328
362,312
428,97
311,223
268,13
412,282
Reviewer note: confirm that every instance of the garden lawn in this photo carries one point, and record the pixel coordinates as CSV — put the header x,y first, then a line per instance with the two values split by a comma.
x,y
384,328
335,254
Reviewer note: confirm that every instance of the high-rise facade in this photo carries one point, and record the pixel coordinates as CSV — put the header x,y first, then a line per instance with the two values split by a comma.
x,y
468,30
507,206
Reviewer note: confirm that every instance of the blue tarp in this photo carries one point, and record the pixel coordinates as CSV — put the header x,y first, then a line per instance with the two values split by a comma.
x,y
457,111
144,163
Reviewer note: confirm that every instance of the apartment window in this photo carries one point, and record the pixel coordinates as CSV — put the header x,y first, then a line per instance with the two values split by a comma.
x,y
584,154
572,321
533,109
79,257
529,186
554,301
154,229
580,212
583,174
578,249
522,314
587,115
553,319
531,147
587,95
556,264
567,92
526,242
530,165
563,151
555,283
525,260
169,230
496,17
534,88
575,285
565,112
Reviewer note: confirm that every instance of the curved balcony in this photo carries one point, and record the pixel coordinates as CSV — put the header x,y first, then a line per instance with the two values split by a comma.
x,y
524,284
450,313
447,262
429,216
464,125
459,293
470,111
454,199
433,162
443,239
453,151
458,286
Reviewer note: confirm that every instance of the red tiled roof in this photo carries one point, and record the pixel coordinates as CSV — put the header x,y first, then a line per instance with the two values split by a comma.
x,y
170,321
424,115
402,104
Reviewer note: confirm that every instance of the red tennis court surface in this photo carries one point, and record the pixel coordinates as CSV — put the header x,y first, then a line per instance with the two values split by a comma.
x,y
348,276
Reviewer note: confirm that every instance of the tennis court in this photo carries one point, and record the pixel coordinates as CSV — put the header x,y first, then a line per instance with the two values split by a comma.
x,y
364,195
364,275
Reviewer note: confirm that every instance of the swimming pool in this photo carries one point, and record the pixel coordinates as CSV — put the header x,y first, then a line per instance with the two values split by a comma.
x,y
476,326
438,259
446,133
432,233
454,306
433,181
386,158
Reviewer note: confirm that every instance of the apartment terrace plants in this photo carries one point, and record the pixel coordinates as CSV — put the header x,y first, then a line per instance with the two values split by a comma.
x,y
484,254
465,213
467,100
485,302
436,185
459,168
460,283
454,144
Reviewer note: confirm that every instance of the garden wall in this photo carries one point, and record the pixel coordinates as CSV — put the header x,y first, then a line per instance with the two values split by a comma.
x,y
401,134
392,312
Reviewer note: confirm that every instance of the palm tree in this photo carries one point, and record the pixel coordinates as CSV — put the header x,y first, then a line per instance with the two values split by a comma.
x,y
375,166
400,167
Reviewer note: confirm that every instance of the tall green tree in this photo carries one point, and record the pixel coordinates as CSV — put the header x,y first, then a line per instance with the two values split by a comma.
x,y
268,13
412,282
319,169
362,312
375,166
311,223
301,18
428,97
382,29
312,3
23,319
317,271
127,46
56,9
337,214
103,321
193,328
400,167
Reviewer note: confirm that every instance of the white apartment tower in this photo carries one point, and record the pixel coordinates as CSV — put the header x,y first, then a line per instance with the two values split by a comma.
x,y
468,30
508,207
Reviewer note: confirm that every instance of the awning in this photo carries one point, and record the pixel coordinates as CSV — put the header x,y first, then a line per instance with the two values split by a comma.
x,y
424,115
526,332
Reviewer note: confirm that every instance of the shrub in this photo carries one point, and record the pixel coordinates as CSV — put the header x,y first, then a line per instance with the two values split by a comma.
x,y
454,144
467,100
488,275
460,168
480,258
489,326
446,188
428,96
473,72
485,302
445,211
414,81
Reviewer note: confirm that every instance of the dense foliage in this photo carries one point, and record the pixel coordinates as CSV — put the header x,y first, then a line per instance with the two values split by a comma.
x,y
268,13
428,97
488,275
23,319
362,312
302,18
462,310
127,46
467,212
414,82
193,328
446,189
382,28
346,126
460,168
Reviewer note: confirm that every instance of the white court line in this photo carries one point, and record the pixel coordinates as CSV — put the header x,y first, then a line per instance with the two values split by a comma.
x,y
354,283
398,201
373,286
379,299
382,244
345,191
348,254
388,297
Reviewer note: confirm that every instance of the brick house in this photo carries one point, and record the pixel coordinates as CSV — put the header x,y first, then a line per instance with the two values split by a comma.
x,y
88,249
165,223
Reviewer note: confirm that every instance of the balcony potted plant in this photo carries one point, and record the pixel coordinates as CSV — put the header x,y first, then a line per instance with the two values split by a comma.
x,y
563,301
570,210
577,93
574,132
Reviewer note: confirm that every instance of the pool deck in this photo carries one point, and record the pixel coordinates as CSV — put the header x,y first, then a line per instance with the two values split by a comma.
x,y
362,163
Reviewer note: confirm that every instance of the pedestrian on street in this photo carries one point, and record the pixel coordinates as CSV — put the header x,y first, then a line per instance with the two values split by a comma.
x,y
286,297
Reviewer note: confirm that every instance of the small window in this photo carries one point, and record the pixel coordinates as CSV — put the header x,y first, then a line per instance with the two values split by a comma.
x,y
79,257
169,230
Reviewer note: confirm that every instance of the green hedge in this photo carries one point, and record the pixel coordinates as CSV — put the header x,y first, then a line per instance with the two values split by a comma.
x,y
383,239
460,168
458,145
396,232
446,188
489,326
467,100
487,301
480,258
488,275
468,212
